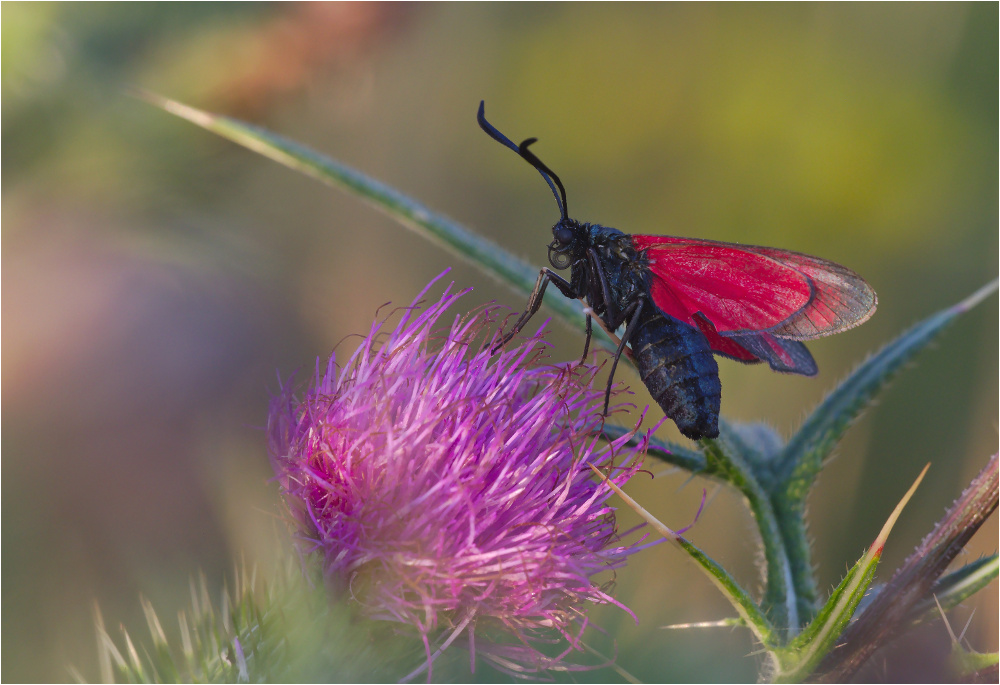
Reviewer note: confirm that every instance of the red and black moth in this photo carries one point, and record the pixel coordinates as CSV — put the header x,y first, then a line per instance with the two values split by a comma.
x,y
683,300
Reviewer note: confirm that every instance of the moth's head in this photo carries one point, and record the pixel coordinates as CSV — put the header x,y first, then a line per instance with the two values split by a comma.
x,y
565,243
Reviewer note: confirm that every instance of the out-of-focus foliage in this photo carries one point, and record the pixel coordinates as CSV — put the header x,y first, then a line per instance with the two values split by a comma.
x,y
288,630
156,277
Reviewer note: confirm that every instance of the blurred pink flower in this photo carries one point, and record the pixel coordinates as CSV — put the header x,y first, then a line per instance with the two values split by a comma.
x,y
448,487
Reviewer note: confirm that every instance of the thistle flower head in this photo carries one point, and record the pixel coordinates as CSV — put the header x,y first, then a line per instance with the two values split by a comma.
x,y
448,487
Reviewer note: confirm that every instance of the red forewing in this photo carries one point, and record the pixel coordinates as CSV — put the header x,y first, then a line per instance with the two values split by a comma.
x,y
744,291
842,298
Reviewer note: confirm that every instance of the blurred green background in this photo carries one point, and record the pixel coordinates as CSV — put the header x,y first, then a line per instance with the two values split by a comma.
x,y
156,278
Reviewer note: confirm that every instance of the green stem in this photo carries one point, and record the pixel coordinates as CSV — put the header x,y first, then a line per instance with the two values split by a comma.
x,y
795,538
682,457
779,603
749,613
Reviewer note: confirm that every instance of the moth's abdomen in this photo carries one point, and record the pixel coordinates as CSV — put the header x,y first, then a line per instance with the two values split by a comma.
x,y
676,364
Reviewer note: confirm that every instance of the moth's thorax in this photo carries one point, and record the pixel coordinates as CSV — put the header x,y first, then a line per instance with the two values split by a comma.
x,y
624,269
603,235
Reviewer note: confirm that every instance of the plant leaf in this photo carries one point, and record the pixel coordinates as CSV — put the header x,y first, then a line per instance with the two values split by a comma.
x,y
730,589
956,587
439,229
793,472
721,623
803,654
759,442
671,453
812,444
969,665
737,440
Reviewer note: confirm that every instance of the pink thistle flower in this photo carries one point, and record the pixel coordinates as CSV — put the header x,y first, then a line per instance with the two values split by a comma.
x,y
448,487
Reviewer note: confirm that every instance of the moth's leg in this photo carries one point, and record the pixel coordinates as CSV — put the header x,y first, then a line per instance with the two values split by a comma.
x,y
594,301
586,344
610,308
535,301
633,311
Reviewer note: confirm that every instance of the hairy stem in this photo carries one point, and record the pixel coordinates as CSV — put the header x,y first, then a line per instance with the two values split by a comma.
x,y
888,613
779,603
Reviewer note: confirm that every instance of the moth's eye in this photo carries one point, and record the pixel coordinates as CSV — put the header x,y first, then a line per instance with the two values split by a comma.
x,y
563,234
559,260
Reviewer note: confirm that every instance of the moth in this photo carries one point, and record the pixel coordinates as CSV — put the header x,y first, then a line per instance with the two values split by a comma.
x,y
685,300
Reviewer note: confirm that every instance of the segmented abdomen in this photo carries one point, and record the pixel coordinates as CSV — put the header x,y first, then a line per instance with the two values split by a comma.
x,y
676,364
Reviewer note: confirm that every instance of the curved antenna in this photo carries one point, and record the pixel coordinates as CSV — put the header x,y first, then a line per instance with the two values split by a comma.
x,y
524,153
528,155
